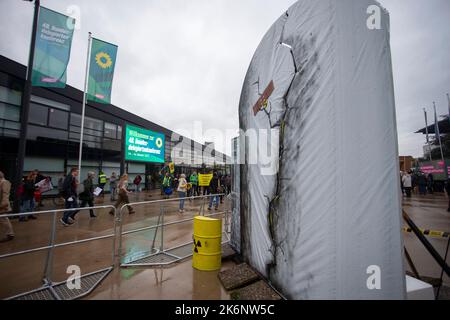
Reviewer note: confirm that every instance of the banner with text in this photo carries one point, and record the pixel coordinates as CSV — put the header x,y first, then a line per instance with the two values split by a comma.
x,y
144,145
52,49
204,179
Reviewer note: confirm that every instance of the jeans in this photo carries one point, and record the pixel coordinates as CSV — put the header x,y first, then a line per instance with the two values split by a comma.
x,y
27,206
113,193
214,199
181,195
70,205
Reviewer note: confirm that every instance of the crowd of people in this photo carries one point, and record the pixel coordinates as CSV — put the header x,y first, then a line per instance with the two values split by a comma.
x,y
188,187
76,197
417,183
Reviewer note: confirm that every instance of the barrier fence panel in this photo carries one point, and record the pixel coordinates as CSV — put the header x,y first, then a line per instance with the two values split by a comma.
x,y
78,286
165,254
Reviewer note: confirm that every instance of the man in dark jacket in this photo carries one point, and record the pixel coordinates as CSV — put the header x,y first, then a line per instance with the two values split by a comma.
x,y
214,186
87,196
70,197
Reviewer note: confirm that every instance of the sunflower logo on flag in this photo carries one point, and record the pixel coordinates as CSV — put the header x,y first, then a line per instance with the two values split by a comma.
x,y
103,60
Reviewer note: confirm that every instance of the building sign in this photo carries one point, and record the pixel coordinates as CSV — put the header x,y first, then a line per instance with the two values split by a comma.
x,y
172,167
144,145
204,179
436,168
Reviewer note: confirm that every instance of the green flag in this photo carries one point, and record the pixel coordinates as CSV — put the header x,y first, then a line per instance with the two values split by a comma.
x,y
52,49
101,71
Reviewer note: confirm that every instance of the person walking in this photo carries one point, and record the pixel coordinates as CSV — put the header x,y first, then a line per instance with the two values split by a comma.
x,y
221,187
87,196
137,183
7,234
422,181
167,185
407,184
39,177
70,197
113,186
27,198
214,185
193,179
430,183
102,182
123,195
182,191
228,184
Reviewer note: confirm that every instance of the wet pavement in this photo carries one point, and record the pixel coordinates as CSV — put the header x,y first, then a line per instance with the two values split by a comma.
x,y
427,212
25,272
178,281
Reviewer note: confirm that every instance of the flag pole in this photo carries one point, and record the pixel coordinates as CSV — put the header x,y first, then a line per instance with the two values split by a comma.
x,y
25,110
80,153
426,129
439,139
448,99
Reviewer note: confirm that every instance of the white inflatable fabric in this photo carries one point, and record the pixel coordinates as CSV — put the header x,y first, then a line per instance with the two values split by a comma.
x,y
325,223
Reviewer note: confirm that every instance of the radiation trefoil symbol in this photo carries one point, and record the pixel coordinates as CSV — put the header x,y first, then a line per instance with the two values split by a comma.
x,y
103,60
159,142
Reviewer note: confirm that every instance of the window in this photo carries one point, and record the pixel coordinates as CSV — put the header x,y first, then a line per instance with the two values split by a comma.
x,y
10,96
50,103
119,132
38,114
9,112
91,123
110,130
37,133
75,119
58,119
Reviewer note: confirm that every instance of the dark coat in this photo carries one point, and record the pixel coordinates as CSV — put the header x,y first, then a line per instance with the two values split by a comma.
x,y
28,190
69,187
88,193
214,185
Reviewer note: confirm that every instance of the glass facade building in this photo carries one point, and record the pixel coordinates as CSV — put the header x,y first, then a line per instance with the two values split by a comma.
x,y
54,127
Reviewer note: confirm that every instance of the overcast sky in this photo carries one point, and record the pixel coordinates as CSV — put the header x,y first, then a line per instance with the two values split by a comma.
x,y
183,61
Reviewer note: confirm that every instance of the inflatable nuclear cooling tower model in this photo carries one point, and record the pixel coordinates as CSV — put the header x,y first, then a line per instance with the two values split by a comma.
x,y
319,191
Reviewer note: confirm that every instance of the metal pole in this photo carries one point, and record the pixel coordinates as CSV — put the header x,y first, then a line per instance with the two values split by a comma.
x,y
440,142
114,238
448,99
156,231
120,233
442,272
442,263
25,110
162,229
49,262
80,153
426,129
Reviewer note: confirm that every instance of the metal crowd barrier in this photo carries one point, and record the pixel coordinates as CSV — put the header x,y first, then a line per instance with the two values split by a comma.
x,y
165,256
59,290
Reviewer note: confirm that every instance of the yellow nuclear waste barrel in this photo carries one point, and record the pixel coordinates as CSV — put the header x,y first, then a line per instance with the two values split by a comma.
x,y
207,247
